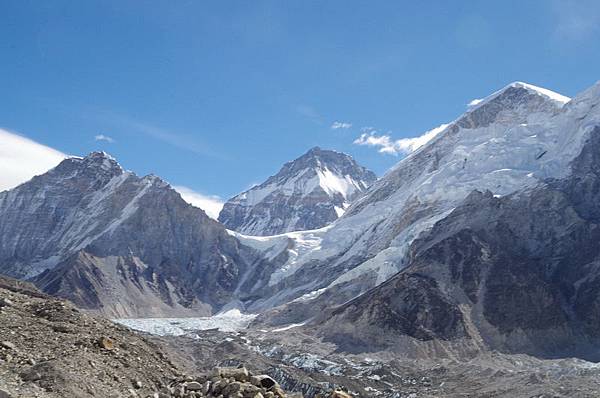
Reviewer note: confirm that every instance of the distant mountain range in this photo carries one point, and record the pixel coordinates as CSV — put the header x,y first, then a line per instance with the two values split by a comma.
x,y
130,246
484,237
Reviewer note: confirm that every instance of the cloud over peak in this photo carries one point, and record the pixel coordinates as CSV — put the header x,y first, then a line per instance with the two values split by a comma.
x,y
387,145
211,204
21,159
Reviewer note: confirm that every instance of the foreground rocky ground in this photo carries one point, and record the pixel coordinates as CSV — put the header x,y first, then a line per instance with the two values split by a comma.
x,y
302,363
50,349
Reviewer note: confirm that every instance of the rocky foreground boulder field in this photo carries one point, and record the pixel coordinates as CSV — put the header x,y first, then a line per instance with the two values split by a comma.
x,y
49,348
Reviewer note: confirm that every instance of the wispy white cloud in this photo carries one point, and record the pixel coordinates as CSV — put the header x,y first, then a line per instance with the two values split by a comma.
x,y
340,125
126,124
190,141
387,145
22,158
211,204
181,141
102,137
383,142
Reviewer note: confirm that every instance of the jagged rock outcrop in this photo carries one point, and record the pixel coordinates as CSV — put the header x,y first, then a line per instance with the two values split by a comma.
x,y
307,193
125,245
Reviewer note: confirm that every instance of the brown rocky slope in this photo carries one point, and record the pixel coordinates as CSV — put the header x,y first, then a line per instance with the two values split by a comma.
x,y
48,348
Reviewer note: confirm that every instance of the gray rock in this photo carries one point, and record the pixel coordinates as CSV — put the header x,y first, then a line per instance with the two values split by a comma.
x,y
193,386
239,374
232,388
31,375
263,381
4,302
8,345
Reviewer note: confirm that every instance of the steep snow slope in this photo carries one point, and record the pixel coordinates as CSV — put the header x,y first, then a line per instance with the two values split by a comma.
x,y
514,138
307,193
518,273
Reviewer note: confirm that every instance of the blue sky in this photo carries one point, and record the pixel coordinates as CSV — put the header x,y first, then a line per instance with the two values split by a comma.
x,y
216,96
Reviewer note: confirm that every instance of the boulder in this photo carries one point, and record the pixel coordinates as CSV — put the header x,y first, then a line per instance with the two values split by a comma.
x,y
340,394
263,381
239,374
9,345
106,343
4,302
193,386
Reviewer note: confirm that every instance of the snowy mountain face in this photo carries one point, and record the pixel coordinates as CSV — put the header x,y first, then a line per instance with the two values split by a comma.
x,y
517,137
518,273
307,193
111,241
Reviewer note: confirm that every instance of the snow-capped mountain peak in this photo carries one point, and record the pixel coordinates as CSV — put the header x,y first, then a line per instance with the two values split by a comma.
x,y
543,91
98,164
523,87
100,158
307,193
334,170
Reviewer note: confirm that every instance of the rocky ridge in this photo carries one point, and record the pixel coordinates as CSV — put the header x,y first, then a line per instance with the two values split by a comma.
x,y
120,244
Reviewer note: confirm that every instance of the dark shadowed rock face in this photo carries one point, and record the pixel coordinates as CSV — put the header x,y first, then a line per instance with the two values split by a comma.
x,y
410,305
307,193
519,273
112,241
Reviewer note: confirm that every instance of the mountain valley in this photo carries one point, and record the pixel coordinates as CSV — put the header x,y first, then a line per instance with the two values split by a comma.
x,y
471,268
